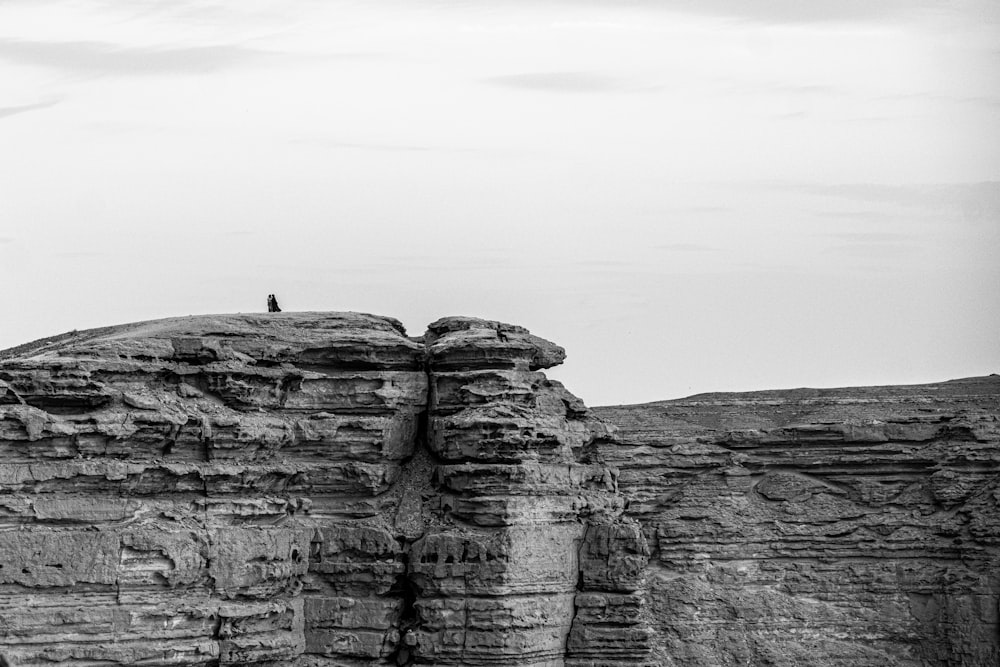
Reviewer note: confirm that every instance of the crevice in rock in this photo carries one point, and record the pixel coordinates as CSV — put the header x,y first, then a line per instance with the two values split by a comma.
x,y
423,427
168,442
409,616
8,396
68,404
216,620
580,587
287,385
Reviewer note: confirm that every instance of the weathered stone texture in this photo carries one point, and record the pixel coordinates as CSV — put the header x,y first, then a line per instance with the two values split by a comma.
x,y
320,490
312,489
500,586
166,488
821,527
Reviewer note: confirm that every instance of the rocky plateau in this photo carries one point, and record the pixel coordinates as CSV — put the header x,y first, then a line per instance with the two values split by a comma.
x,y
320,489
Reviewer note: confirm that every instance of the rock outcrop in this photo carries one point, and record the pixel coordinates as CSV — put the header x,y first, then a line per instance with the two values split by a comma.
x,y
165,486
538,567
308,489
320,489
831,527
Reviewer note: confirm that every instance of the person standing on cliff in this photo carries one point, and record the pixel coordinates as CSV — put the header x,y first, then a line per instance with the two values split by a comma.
x,y
272,304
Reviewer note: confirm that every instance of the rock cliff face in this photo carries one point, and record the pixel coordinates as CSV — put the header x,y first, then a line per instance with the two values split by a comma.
x,y
319,489
310,489
819,527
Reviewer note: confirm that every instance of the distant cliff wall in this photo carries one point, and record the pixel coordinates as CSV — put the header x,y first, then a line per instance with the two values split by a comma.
x,y
838,527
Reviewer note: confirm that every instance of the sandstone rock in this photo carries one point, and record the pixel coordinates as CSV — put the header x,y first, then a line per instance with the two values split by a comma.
x,y
501,587
468,343
302,488
171,476
824,527
318,489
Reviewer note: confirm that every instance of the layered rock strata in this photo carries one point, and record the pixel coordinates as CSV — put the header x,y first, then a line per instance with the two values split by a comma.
x,y
161,484
538,563
312,489
319,489
819,527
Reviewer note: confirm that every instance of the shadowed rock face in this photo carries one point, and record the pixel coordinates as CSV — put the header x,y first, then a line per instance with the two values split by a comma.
x,y
819,527
320,489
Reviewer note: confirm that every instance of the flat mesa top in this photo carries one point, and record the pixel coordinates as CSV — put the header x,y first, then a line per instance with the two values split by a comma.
x,y
983,385
305,337
300,327
972,400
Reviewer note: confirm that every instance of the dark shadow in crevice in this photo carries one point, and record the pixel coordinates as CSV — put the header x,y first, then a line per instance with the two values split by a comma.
x,y
409,617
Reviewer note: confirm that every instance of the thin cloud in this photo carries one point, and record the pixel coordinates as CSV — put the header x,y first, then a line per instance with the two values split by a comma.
x,y
872,119
810,89
871,238
856,215
686,247
798,12
730,85
560,82
4,240
707,209
871,250
103,58
372,146
973,100
975,199
10,111
80,254
792,114
378,147
609,263
879,246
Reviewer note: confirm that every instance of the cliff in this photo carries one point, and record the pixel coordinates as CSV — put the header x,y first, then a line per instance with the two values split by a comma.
x,y
309,489
321,489
854,526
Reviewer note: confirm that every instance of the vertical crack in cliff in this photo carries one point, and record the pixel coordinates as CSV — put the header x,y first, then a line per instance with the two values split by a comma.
x,y
118,576
170,440
410,524
409,615
580,586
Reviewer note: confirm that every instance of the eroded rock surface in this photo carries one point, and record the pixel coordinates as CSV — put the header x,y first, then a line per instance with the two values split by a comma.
x,y
163,486
819,527
311,489
518,576
320,489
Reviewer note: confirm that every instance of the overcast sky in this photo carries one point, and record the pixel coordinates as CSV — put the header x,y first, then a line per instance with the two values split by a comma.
x,y
688,195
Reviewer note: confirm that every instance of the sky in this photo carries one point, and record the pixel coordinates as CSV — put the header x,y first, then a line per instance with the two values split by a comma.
x,y
688,196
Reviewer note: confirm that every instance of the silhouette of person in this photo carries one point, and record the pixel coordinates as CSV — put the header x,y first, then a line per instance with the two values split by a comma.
x,y
501,336
274,302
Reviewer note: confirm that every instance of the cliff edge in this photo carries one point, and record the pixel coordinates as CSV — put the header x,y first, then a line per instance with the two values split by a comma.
x,y
320,489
